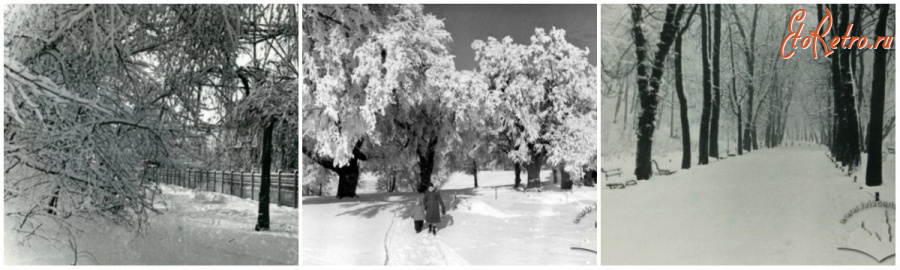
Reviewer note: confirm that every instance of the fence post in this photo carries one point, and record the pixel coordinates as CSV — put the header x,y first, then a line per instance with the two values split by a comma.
x,y
231,183
252,184
278,202
242,184
296,189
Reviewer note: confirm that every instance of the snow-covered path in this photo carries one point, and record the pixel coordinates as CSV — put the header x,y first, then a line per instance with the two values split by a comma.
x,y
773,206
484,226
405,247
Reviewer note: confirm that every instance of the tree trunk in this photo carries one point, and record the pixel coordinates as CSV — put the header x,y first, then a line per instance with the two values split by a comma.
x,y
262,222
517,169
554,173
348,179
590,177
53,201
671,115
393,184
625,111
716,85
749,59
566,179
740,135
426,161
348,174
703,156
848,145
475,172
648,83
873,164
682,108
618,103
533,168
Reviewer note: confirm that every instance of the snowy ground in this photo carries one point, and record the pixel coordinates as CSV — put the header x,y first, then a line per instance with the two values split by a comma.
x,y
513,228
773,206
196,228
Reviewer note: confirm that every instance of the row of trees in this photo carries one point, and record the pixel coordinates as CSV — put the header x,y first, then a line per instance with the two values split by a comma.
x,y
381,94
94,93
752,37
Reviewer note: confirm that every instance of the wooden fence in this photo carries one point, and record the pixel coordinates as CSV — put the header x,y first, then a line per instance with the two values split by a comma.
x,y
282,191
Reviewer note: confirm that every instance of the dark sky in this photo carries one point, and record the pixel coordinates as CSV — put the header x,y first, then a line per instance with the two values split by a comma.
x,y
466,23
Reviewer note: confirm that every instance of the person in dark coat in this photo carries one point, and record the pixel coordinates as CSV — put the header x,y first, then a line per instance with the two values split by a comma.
x,y
434,208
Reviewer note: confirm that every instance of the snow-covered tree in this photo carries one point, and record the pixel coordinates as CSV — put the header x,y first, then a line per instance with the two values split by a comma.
x,y
362,82
96,93
540,87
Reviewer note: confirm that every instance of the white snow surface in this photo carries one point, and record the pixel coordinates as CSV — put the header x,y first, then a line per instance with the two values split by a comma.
x,y
195,228
771,206
516,228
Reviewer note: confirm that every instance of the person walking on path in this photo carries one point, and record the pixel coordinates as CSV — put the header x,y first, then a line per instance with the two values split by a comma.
x,y
434,208
418,215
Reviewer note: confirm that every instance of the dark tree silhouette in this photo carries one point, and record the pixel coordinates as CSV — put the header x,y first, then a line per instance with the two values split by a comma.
x,y
845,146
648,84
348,174
682,99
750,60
873,169
707,86
716,85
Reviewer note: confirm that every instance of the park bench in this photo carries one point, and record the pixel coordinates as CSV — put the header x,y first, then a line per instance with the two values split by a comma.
x,y
611,172
662,171
622,185
616,186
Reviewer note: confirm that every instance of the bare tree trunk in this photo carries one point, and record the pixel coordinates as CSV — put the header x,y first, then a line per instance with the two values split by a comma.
x,y
703,157
682,99
682,108
749,58
736,103
517,170
618,103
262,222
848,146
671,114
533,167
716,85
475,172
873,164
648,82
625,111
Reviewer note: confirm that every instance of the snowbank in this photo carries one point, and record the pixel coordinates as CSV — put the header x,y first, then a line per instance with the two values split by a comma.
x,y
195,228
483,226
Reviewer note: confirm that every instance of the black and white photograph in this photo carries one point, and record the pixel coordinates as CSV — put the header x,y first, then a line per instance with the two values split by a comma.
x,y
449,134
147,134
784,148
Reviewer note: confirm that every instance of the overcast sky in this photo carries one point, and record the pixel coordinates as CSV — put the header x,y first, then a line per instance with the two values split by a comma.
x,y
466,23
